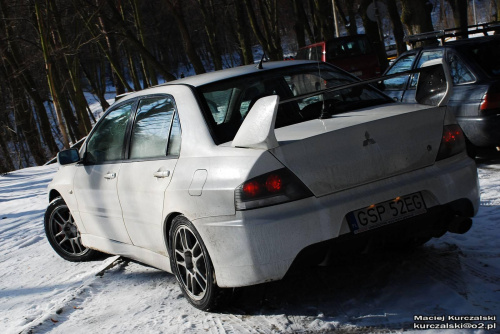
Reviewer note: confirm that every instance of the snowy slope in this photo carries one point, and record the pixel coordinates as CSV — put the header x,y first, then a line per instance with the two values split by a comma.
x,y
40,292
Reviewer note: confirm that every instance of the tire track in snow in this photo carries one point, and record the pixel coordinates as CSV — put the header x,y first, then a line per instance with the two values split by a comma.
x,y
445,266
69,301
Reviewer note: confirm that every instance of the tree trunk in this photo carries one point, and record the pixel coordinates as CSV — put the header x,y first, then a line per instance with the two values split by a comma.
x,y
7,164
242,30
301,26
148,71
111,51
210,21
71,71
323,12
372,31
459,8
397,26
353,25
416,16
54,91
12,54
269,38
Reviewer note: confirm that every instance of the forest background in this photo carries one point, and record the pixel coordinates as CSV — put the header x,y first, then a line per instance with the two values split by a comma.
x,y
57,53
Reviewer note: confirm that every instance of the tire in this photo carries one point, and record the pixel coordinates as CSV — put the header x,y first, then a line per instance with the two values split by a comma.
x,y
63,234
191,265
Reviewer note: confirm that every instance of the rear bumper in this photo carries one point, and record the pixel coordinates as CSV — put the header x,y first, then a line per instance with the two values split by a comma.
x,y
481,131
260,245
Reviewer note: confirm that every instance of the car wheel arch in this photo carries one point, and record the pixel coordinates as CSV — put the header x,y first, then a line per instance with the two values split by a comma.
x,y
166,228
53,194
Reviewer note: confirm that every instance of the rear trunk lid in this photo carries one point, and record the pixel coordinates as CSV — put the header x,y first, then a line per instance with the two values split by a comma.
x,y
360,147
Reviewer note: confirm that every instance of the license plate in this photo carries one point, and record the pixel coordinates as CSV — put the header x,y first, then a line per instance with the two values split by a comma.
x,y
386,213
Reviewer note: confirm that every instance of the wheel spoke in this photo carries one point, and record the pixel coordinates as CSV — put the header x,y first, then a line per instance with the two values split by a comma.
x,y
72,243
61,217
182,263
63,240
78,243
181,254
185,240
60,233
200,284
188,281
193,285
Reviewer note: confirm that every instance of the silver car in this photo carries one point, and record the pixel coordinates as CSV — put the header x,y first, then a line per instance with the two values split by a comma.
x,y
226,179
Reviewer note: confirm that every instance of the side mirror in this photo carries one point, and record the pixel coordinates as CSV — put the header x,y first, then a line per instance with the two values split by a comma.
x,y
257,130
67,157
435,83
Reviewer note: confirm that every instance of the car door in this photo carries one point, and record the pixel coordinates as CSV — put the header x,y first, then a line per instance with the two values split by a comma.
x,y
467,94
144,177
95,183
396,87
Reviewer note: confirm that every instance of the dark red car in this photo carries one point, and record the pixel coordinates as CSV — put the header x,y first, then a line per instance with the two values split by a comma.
x,y
353,54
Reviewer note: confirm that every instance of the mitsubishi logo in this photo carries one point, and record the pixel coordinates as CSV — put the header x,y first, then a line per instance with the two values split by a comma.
x,y
368,139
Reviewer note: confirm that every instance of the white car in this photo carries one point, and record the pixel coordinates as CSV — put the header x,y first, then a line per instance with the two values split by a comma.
x,y
226,178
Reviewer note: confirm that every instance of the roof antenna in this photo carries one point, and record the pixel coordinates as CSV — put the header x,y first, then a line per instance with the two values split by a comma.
x,y
260,67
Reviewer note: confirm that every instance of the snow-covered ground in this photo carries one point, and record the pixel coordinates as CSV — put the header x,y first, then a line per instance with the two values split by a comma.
x,y
40,292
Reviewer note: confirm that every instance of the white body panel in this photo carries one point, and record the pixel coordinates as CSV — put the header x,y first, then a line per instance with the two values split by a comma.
x,y
95,189
142,197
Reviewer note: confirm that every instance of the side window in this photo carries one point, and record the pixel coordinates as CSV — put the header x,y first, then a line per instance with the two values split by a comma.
x,y
459,72
218,103
426,56
403,64
152,128
174,141
106,143
316,53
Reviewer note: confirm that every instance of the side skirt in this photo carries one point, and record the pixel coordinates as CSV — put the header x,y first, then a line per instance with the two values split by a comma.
x,y
126,250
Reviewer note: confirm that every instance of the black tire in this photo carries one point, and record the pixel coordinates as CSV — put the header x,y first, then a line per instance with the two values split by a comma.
x,y
63,234
191,265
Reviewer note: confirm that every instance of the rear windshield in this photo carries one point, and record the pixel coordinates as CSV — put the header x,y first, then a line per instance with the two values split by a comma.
x,y
228,102
487,56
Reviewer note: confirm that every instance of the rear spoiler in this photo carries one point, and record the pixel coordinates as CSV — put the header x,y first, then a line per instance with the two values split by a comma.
x,y
257,130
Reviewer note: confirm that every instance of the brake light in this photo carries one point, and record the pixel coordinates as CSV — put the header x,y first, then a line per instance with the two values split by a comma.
x,y
274,183
251,189
279,186
452,142
491,100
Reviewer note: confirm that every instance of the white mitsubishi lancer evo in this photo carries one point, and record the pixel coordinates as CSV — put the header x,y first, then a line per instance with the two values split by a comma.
x,y
226,179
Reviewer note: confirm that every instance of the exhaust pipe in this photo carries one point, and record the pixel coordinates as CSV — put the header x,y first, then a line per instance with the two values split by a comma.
x,y
459,224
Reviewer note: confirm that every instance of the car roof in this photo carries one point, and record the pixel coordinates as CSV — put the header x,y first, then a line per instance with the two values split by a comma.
x,y
206,78
460,42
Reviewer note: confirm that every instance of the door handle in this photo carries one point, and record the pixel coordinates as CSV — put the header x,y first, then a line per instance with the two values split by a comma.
x,y
110,175
161,174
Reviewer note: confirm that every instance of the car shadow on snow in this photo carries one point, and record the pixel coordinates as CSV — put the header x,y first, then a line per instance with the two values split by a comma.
x,y
381,289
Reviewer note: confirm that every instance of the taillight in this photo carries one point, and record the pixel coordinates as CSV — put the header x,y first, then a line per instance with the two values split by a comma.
x,y
452,142
276,187
491,100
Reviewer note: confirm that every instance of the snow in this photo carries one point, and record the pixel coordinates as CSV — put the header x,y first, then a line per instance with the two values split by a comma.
x,y
40,292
